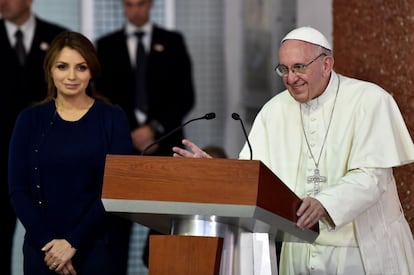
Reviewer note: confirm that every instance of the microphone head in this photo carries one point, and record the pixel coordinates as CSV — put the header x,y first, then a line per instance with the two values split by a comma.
x,y
210,116
235,116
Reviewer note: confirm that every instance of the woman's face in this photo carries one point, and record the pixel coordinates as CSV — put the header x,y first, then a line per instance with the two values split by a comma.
x,y
70,73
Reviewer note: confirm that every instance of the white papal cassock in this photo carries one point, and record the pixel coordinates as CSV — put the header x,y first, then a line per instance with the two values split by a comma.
x,y
366,138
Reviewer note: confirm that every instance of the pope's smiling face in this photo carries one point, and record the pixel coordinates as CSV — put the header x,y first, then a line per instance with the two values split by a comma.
x,y
309,84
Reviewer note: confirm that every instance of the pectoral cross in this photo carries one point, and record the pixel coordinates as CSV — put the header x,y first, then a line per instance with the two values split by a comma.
x,y
316,179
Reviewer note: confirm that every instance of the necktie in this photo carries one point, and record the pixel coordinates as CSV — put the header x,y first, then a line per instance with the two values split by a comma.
x,y
19,47
140,68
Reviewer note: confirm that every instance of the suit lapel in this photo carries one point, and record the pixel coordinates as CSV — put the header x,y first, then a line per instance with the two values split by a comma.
x,y
4,39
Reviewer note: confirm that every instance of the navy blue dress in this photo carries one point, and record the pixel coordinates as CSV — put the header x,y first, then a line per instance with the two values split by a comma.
x,y
55,183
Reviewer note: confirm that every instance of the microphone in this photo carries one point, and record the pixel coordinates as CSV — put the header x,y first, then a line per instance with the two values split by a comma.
x,y
236,116
206,116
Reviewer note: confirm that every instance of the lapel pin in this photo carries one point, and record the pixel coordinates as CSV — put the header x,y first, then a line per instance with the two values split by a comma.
x,y
158,47
44,46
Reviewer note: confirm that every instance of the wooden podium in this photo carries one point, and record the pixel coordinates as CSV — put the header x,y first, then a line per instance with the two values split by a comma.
x,y
201,203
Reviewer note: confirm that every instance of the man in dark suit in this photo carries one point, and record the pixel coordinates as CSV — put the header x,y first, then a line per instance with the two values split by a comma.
x,y
168,83
21,85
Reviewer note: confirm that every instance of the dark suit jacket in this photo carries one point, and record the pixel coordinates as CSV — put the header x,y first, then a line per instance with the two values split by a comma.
x,y
169,80
22,86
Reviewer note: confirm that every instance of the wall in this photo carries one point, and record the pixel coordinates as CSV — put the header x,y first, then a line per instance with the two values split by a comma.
x,y
252,32
316,13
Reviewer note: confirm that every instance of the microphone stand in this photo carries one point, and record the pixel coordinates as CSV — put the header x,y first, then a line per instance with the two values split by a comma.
x,y
206,116
236,116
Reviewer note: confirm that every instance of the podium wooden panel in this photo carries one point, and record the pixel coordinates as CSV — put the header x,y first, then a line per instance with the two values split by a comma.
x,y
184,255
159,192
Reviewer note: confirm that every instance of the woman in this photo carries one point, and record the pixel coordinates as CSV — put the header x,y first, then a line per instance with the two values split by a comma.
x,y
56,167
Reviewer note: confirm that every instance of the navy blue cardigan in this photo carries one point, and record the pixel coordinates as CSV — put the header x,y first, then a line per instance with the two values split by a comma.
x,y
56,171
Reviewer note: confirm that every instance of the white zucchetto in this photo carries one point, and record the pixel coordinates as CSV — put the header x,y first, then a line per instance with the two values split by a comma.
x,y
308,34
